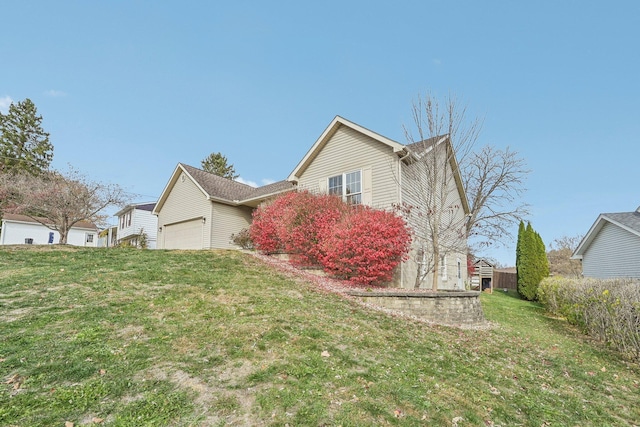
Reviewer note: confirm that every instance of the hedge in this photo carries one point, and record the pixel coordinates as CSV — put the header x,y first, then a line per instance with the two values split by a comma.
x,y
608,310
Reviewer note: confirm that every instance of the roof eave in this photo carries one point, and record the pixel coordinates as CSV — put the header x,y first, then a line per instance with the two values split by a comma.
x,y
255,201
588,238
224,201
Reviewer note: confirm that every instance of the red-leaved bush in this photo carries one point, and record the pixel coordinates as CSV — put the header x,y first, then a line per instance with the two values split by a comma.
x,y
313,217
356,243
295,223
366,246
268,228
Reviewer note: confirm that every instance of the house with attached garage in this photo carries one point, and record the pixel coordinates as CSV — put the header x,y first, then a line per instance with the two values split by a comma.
x,y
22,229
199,210
611,247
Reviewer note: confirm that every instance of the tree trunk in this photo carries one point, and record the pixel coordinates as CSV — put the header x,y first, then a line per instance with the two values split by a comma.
x,y
64,232
436,268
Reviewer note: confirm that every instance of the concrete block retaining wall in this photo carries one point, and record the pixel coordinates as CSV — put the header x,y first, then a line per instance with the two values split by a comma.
x,y
447,308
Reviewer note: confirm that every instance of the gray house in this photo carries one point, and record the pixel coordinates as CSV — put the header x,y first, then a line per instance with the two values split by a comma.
x,y
611,248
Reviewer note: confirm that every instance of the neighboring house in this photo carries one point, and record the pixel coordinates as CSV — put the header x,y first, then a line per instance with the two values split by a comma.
x,y
198,210
108,237
611,248
21,229
134,221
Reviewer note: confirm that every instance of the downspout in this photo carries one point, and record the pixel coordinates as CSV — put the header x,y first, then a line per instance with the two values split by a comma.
x,y
400,202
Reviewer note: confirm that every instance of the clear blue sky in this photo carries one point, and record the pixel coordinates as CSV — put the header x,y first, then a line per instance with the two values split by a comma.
x,y
128,89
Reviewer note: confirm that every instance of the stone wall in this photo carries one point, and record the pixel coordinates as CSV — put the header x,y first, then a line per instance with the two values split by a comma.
x,y
447,308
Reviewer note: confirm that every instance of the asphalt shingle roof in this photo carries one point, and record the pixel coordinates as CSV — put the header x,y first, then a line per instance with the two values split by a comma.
x,y
628,219
233,191
424,145
146,206
25,218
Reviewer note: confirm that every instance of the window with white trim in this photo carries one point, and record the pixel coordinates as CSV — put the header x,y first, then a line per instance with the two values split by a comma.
x,y
335,185
348,186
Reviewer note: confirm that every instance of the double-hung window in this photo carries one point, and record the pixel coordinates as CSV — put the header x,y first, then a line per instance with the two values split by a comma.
x,y
443,267
348,186
335,185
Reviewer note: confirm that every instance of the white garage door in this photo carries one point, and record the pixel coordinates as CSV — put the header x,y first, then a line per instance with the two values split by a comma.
x,y
184,235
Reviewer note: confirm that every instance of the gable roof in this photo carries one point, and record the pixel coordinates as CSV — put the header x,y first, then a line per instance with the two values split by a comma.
x,y
217,187
483,261
418,149
27,219
629,221
140,206
415,150
333,127
426,144
223,190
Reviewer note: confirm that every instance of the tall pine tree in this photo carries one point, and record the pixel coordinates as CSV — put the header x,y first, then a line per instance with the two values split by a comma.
x,y
521,231
24,145
218,164
531,261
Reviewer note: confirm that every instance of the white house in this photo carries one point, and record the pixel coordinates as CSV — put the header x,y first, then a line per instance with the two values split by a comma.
x,y
134,221
21,229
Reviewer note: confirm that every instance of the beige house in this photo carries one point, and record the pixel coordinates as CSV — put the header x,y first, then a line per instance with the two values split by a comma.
x,y
198,210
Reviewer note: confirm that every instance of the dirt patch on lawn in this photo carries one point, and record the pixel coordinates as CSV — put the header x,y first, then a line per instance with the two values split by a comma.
x,y
217,397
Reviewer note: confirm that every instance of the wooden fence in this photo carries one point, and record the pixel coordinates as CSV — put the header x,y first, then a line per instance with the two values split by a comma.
x,y
505,280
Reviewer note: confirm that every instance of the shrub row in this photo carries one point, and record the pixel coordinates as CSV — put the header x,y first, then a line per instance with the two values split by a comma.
x,y
355,243
608,310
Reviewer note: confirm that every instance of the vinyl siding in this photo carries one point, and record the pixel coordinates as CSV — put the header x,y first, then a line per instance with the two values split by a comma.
x,y
228,220
140,220
185,202
454,217
15,233
348,150
613,253
146,221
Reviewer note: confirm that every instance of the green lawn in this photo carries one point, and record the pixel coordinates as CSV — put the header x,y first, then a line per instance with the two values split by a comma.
x,y
124,337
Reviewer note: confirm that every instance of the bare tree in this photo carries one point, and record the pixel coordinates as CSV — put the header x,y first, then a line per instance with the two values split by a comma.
x,y
442,142
494,182
59,201
430,180
559,256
